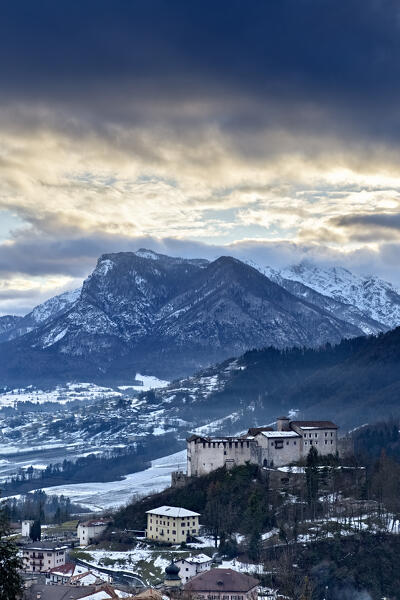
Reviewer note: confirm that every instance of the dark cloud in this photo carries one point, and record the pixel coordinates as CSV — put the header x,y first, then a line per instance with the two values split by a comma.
x,y
381,220
295,63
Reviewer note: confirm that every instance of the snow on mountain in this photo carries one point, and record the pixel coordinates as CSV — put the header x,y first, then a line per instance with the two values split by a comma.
x,y
374,297
54,306
13,327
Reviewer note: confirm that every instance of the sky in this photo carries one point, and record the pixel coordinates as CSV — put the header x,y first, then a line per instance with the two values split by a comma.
x,y
264,129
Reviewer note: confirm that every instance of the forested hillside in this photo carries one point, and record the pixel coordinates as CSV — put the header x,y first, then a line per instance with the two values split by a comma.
x,y
352,383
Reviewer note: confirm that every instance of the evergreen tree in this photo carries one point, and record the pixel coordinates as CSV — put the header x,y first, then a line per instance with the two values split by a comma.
x,y
10,579
36,531
312,478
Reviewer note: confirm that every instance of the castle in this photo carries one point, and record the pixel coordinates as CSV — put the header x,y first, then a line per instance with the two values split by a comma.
x,y
291,441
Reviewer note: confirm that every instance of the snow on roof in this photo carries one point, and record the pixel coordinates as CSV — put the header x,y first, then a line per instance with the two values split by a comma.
x,y
172,511
198,559
280,434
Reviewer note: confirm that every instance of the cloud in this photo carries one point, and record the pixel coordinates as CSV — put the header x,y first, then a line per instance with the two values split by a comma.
x,y
266,130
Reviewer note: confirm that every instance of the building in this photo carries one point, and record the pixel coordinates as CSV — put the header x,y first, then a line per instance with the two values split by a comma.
x,y
290,442
222,584
89,531
73,574
26,527
193,565
40,557
172,524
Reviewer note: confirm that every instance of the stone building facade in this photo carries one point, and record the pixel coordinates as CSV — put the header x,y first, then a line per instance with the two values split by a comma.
x,y
290,442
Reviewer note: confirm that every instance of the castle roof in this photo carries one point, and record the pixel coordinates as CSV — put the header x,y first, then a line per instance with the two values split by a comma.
x,y
280,434
255,430
314,424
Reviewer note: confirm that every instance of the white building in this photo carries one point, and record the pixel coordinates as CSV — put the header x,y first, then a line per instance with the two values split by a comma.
x,y
193,565
40,557
290,442
89,531
172,524
26,527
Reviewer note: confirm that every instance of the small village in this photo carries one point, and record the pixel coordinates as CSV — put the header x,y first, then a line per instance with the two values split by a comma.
x,y
176,555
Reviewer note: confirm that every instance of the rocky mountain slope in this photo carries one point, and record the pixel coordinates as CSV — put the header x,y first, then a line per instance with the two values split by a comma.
x,y
169,316
12,326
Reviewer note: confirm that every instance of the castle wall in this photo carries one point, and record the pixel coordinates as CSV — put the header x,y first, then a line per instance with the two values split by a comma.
x,y
278,451
204,456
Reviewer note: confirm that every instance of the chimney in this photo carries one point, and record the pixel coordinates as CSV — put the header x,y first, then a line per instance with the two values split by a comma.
x,y
283,424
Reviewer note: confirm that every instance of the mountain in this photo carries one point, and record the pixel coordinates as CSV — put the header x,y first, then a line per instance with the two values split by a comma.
x,y
12,326
375,299
339,308
167,316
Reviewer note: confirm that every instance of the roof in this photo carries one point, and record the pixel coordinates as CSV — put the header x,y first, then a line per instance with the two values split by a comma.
x,y
172,511
197,559
49,546
95,522
67,569
280,434
314,424
149,594
58,592
255,430
221,580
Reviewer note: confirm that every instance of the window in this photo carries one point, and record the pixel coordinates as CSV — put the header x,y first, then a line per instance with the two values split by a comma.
x,y
326,442
305,443
294,443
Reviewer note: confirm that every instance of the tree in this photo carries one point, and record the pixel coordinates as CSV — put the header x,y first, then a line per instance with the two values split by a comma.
x,y
36,531
10,579
312,478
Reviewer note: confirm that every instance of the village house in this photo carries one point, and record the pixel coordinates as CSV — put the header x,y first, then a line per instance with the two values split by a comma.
x,y
193,565
40,557
288,443
89,531
172,524
222,584
73,574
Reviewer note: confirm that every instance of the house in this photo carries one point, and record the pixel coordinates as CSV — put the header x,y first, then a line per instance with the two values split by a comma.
x,y
288,443
40,557
26,527
193,565
74,574
89,531
222,584
172,524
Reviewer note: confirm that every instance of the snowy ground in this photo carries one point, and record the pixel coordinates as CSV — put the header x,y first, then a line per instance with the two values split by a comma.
x,y
62,394
109,495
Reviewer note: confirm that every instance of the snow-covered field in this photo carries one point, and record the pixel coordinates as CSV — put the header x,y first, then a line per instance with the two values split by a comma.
x,y
100,496
62,394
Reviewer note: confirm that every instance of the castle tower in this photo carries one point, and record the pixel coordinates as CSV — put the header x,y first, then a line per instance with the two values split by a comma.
x,y
283,424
